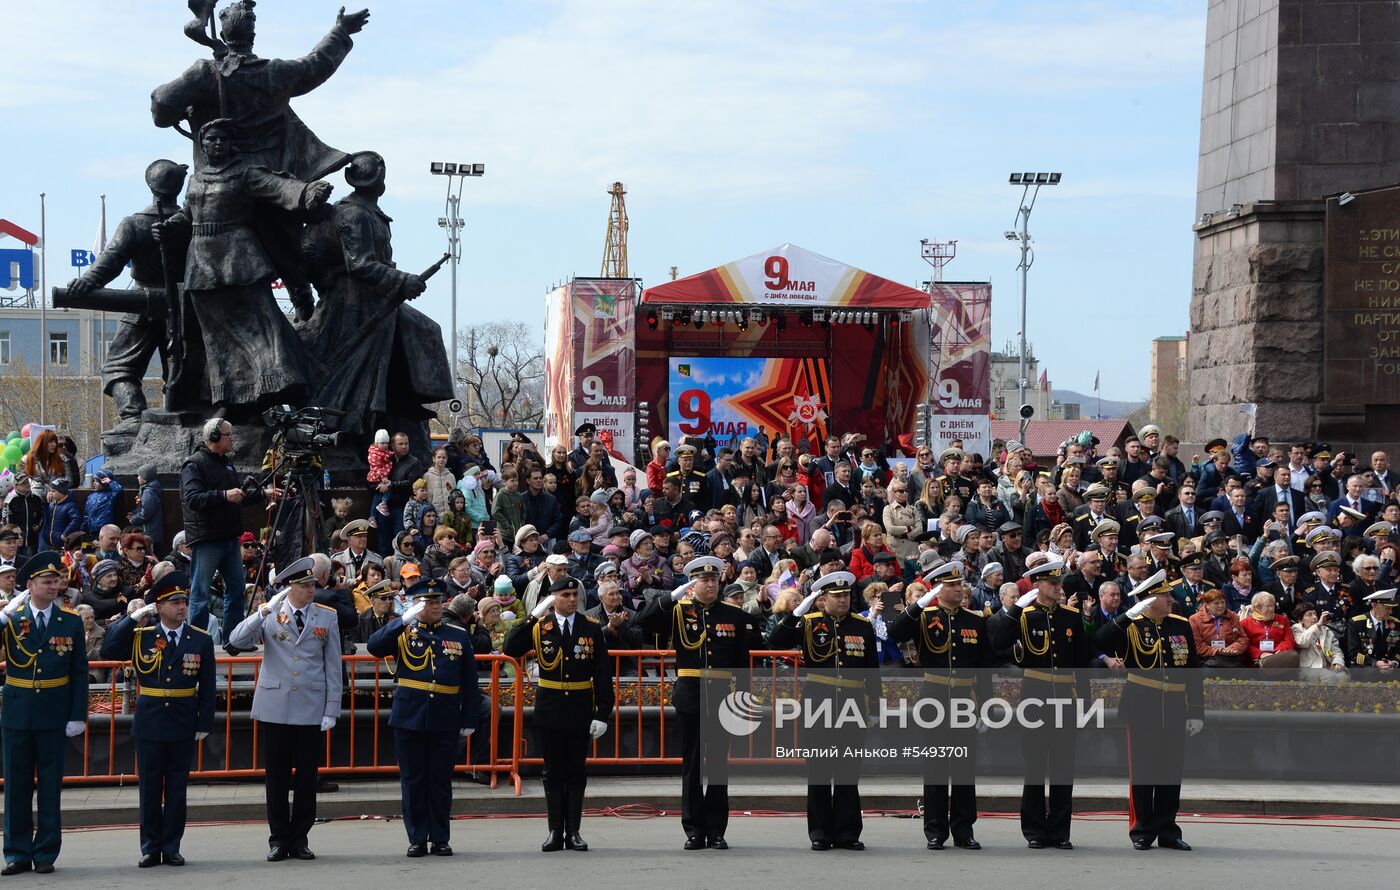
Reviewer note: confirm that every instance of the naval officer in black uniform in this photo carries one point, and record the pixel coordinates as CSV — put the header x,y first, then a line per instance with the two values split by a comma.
x,y
573,701
840,657
711,644
174,666
955,653
1161,705
436,706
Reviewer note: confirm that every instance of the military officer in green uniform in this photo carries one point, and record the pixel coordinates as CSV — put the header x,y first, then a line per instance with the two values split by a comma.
x,y
841,661
45,700
955,653
952,481
436,706
1105,537
573,702
174,666
711,644
1161,705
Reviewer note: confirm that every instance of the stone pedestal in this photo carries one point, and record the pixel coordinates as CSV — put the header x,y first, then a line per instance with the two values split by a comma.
x,y
1256,321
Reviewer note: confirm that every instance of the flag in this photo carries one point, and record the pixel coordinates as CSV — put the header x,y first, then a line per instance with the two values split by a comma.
x,y
1044,381
1096,381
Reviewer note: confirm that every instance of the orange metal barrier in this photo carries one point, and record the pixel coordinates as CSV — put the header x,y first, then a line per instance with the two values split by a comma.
x,y
642,696
368,685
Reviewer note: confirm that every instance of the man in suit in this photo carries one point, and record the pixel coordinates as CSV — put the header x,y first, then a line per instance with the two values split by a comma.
x,y
573,702
44,653
719,479
174,666
296,700
1281,492
617,621
1353,499
1239,520
436,706
1184,519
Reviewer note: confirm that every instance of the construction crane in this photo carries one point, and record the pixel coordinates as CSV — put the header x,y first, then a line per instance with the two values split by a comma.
x,y
615,244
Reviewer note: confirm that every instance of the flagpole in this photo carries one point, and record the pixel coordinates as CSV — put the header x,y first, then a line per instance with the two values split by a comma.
x,y
43,313
1098,393
101,352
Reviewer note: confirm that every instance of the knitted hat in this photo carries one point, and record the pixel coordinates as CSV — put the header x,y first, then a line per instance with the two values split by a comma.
x,y
381,437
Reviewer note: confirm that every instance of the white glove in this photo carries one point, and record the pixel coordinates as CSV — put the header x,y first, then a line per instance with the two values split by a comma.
x,y
681,591
74,728
327,724
1140,606
507,616
412,612
597,728
929,597
201,736
1194,726
272,605
1027,599
144,612
466,733
543,607
806,605
12,607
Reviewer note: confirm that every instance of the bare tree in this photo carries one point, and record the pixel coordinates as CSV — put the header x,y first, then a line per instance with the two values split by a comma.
x,y
500,375
74,404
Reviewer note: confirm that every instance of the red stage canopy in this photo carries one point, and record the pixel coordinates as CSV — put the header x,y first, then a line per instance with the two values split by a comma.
x,y
789,276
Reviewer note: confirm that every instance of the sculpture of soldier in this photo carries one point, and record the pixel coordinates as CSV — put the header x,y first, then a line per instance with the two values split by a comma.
x,y
240,351
381,364
138,336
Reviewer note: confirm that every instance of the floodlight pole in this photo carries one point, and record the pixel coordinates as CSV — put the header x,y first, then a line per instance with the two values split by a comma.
x,y
1030,188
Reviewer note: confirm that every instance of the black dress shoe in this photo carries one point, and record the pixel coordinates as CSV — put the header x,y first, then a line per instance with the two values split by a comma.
x,y
150,860
1177,844
440,849
174,859
554,842
417,851
1063,845
850,845
43,868
302,853
968,843
277,854
15,868
719,843
821,845
1141,843
935,844
1036,844
573,841
694,843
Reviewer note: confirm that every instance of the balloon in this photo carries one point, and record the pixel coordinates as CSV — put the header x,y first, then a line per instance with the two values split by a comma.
x,y
12,454
24,432
4,464
12,434
24,446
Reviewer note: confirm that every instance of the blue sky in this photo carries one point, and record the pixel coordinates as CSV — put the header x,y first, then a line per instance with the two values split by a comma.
x,y
853,130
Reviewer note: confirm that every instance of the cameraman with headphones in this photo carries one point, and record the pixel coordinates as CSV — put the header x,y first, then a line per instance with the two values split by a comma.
x,y
213,501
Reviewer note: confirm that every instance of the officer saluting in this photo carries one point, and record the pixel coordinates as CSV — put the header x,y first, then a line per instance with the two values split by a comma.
x,y
45,699
840,655
297,698
436,705
1047,642
954,650
1161,705
710,642
174,666
573,701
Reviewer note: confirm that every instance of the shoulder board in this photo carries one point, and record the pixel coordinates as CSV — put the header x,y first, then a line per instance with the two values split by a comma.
x,y
859,617
1069,608
68,611
324,606
1082,517
199,629
813,616
591,618
1359,618
973,612
674,473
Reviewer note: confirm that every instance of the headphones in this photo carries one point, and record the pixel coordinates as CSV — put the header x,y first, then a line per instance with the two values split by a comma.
x,y
217,433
